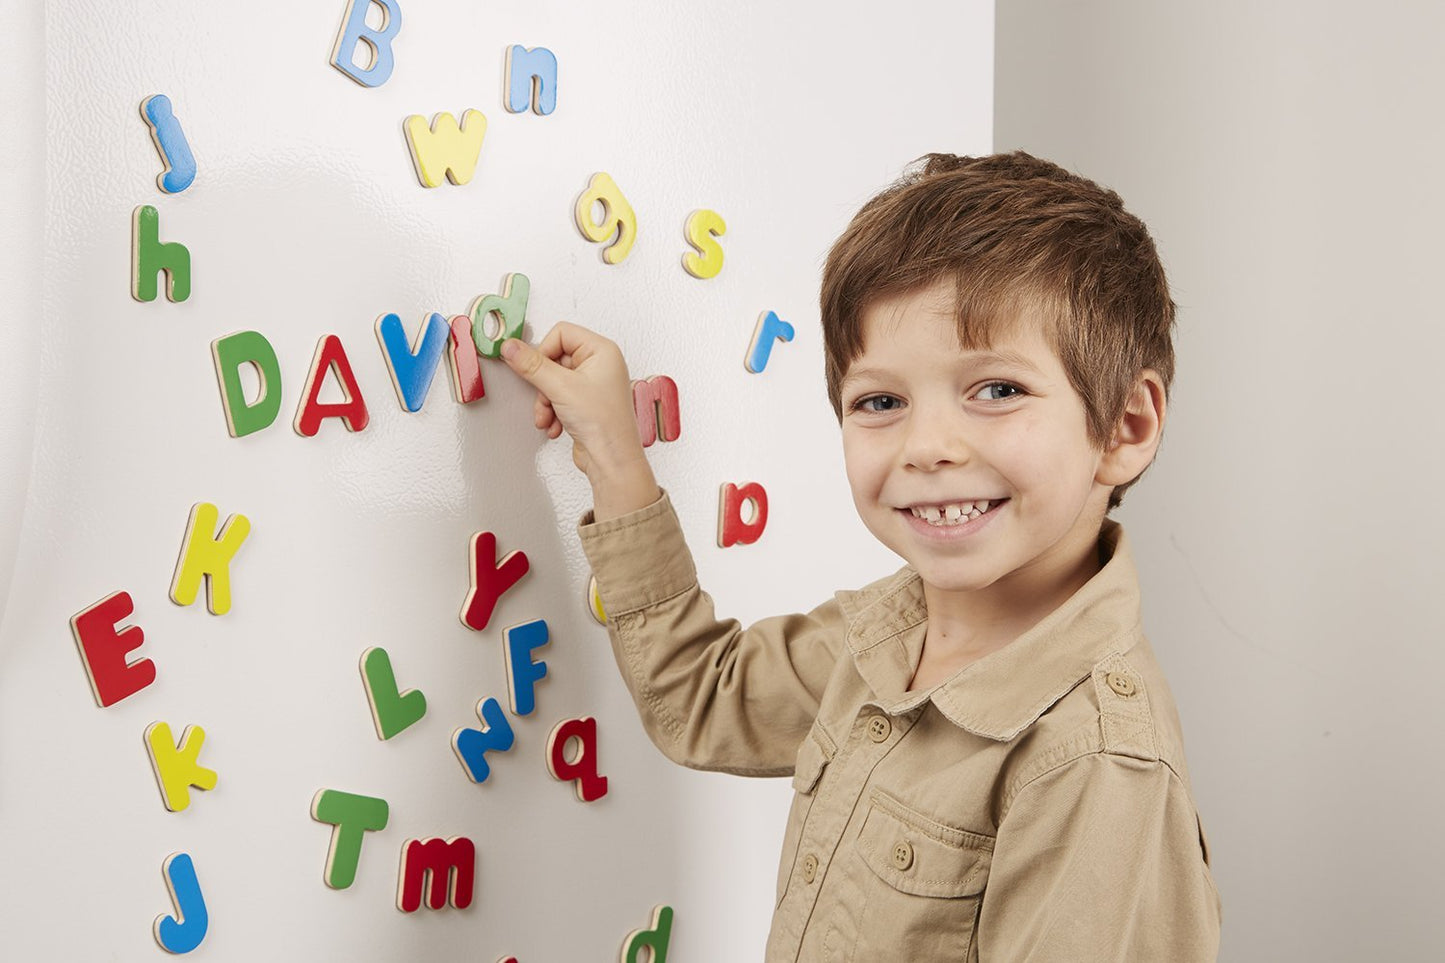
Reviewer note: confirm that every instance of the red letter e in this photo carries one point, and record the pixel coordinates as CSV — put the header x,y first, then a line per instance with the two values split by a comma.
x,y
103,649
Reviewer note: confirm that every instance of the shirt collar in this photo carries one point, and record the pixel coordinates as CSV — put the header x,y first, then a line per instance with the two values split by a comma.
x,y
1003,693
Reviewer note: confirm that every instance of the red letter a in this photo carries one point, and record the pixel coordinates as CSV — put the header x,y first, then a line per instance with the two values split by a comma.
x,y
330,356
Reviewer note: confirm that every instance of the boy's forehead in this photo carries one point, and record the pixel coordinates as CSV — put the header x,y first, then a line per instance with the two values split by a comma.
x,y
992,327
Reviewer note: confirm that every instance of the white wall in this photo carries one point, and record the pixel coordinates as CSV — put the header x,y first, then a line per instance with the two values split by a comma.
x,y
22,193
306,219
1287,157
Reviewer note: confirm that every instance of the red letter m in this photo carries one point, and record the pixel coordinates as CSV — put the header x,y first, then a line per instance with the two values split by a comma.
x,y
655,404
452,865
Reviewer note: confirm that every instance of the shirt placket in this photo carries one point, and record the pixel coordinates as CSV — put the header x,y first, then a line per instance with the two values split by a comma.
x,y
872,736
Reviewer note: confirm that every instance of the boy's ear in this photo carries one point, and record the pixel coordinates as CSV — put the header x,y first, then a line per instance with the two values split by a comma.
x,y
1136,436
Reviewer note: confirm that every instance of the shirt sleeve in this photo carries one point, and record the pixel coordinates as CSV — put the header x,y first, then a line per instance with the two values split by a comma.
x,y
1101,859
711,694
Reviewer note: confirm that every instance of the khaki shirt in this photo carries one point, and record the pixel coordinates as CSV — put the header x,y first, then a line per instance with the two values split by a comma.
x,y
1035,806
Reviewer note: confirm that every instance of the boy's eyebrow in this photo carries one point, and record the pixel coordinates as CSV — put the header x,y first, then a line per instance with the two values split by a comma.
x,y
858,374
1013,359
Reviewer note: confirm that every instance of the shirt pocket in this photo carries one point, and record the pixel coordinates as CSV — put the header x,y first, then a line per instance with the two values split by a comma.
x,y
814,755
924,887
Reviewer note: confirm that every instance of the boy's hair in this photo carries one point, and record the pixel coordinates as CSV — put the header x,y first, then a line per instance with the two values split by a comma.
x,y
1015,235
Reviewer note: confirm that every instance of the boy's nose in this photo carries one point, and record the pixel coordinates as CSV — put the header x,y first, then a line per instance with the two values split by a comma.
x,y
935,440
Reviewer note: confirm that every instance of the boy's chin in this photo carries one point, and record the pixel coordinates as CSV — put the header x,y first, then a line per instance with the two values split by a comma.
x,y
959,579
944,574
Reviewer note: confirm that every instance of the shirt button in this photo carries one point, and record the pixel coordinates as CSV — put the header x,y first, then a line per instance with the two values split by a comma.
x,y
879,728
1120,683
903,855
810,868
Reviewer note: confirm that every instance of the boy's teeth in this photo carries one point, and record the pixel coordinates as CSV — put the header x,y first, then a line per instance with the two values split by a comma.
x,y
952,514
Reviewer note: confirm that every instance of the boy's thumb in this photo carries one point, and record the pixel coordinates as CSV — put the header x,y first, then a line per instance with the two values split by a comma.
x,y
527,362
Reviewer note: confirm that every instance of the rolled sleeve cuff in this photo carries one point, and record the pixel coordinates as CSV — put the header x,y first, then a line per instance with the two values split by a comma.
x,y
640,559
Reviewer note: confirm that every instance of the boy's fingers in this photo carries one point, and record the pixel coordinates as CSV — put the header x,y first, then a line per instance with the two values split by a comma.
x,y
571,344
534,367
565,338
551,343
542,413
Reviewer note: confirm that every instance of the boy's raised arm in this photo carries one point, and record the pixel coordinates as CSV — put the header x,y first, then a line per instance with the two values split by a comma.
x,y
583,388
711,694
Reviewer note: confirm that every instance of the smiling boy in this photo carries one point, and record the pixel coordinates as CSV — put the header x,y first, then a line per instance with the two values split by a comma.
x,y
987,760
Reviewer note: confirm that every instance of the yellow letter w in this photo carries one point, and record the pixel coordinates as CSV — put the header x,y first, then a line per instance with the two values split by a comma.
x,y
445,148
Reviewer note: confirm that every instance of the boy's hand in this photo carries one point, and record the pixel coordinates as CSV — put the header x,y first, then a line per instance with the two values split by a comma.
x,y
583,388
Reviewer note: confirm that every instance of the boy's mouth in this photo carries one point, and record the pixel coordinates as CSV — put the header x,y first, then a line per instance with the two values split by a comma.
x,y
946,514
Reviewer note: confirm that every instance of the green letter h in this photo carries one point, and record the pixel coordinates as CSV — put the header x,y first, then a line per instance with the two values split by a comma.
x,y
149,257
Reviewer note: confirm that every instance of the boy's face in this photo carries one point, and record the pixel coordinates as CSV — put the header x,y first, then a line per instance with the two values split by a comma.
x,y
975,466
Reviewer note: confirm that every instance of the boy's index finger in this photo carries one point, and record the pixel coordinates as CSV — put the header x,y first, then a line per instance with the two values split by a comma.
x,y
551,344
568,340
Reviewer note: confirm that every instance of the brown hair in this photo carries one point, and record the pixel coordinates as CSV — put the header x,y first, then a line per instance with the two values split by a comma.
x,y
1013,233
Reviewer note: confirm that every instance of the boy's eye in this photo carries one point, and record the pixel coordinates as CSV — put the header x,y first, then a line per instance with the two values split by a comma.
x,y
998,391
878,403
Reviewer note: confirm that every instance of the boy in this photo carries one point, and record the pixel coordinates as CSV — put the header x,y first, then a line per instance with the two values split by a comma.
x,y
987,761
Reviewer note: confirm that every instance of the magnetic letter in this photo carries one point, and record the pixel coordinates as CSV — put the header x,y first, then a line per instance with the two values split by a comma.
x,y
655,939
770,328
412,371
378,42
176,766
465,368
731,528
452,866
171,142
594,602
353,816
184,931
330,356
472,745
443,148
103,649
583,769
228,354
531,79
391,709
490,579
522,673
617,216
656,404
702,230
510,308
202,555
148,256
